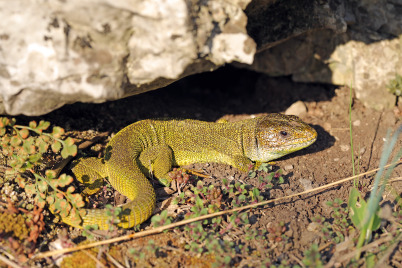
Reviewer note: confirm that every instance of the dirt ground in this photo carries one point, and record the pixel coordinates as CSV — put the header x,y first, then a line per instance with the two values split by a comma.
x,y
236,94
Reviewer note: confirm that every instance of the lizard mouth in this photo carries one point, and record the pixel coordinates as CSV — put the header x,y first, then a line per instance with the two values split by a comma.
x,y
298,144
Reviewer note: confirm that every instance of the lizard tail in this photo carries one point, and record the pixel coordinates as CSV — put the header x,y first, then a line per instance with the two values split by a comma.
x,y
121,166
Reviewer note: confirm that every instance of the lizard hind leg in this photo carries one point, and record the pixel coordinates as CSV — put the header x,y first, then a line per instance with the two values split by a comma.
x,y
158,160
90,172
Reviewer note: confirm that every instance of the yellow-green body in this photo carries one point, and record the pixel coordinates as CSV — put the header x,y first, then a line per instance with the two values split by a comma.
x,y
154,146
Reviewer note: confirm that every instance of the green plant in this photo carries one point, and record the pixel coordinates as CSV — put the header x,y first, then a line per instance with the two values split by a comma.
x,y
23,148
216,236
366,215
337,227
312,257
351,133
395,85
161,219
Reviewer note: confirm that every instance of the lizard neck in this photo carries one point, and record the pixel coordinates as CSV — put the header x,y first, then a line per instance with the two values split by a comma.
x,y
249,140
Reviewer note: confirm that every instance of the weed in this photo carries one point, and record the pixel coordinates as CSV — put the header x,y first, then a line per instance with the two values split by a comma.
x,y
312,257
215,236
395,85
20,230
23,148
161,219
366,215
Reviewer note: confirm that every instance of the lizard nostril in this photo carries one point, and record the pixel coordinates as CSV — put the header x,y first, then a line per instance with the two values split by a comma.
x,y
284,133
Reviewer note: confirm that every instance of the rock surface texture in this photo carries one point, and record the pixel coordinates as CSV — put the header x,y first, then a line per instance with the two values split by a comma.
x,y
367,56
58,52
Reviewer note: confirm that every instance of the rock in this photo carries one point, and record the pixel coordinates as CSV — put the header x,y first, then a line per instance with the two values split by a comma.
x,y
356,123
60,52
372,66
345,147
307,185
288,167
296,108
327,126
367,56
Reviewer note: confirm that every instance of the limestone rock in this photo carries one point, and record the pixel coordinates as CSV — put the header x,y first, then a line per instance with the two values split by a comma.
x,y
367,56
58,52
298,108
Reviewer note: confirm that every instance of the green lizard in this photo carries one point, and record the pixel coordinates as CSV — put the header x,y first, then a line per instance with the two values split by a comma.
x,y
154,146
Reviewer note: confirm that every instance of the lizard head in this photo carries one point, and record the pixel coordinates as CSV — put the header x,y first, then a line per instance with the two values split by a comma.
x,y
278,135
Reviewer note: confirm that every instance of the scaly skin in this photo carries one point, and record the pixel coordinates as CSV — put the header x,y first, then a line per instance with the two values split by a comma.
x,y
154,146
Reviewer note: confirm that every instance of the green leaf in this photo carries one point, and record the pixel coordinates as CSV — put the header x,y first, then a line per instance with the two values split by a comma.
x,y
371,260
358,211
28,146
35,158
15,141
30,189
50,199
70,189
56,146
21,182
69,141
357,207
63,206
40,202
57,132
69,150
33,124
50,174
24,133
42,186
77,200
43,125
65,180
75,217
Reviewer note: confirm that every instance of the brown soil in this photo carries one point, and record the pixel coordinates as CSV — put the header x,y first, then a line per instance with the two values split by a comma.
x,y
236,94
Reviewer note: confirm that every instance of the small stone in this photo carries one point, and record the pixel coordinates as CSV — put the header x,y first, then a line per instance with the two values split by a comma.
x,y
313,227
327,126
296,108
306,184
362,150
288,167
345,147
336,159
356,123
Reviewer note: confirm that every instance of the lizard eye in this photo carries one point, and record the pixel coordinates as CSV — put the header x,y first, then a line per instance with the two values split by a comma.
x,y
283,133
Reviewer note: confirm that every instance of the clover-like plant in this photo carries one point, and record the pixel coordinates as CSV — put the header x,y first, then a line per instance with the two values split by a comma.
x,y
23,148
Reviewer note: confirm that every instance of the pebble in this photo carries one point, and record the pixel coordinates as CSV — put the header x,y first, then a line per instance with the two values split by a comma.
x,y
345,147
327,126
314,227
296,108
306,184
356,123
362,150
288,167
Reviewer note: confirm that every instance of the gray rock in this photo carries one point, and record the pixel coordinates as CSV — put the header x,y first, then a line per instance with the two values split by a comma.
x,y
58,52
367,56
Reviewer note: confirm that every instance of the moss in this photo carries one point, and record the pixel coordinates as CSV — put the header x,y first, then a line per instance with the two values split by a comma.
x,y
14,224
395,86
80,259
